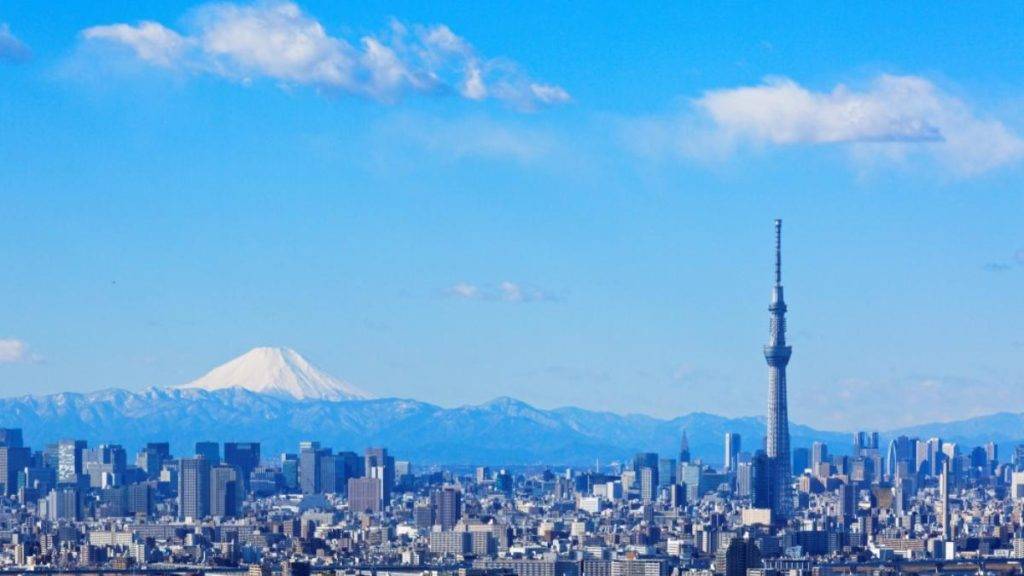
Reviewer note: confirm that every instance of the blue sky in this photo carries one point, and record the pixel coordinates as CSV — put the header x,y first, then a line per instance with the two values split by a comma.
x,y
569,203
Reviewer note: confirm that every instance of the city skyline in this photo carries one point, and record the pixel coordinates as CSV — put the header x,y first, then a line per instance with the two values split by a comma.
x,y
554,237
448,288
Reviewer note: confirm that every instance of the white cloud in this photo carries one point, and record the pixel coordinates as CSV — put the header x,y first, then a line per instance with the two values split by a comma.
x,y
150,41
278,41
464,291
11,48
892,120
13,351
505,291
550,94
895,109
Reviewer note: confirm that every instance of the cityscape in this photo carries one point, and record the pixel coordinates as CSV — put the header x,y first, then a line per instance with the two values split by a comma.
x,y
530,288
912,504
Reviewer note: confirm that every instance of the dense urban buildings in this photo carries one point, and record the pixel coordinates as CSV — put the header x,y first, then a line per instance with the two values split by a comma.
x,y
877,505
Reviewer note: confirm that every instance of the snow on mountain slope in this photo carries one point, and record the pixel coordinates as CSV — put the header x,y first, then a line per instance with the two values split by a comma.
x,y
280,372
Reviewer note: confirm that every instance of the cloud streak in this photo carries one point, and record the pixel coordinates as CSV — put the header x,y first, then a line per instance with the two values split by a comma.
x,y
277,41
13,351
891,120
970,396
505,291
1017,260
11,48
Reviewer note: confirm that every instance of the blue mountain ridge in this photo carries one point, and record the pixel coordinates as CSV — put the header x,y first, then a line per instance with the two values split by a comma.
x,y
503,431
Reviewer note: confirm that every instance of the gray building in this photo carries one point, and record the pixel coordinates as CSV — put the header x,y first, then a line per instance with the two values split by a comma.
x,y
226,494
193,488
365,494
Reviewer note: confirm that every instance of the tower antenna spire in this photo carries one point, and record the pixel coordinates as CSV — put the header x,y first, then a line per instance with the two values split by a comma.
x,y
778,251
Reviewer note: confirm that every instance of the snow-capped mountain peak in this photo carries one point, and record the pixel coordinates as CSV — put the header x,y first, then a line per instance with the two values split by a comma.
x,y
278,372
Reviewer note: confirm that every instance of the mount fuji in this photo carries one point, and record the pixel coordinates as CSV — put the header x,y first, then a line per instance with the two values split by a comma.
x,y
278,372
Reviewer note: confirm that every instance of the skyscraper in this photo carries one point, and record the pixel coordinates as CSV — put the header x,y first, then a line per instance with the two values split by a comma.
x,y
194,488
210,451
901,449
309,467
777,354
944,501
732,448
365,494
11,437
245,456
819,454
69,460
225,491
684,449
378,464
12,460
447,506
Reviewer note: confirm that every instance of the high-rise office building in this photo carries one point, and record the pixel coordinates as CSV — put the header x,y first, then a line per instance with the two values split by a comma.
x,y
366,494
210,451
347,465
193,488
336,469
992,455
309,467
225,491
777,354
943,505
648,478
643,460
152,457
732,449
1017,460
901,449
378,464
290,471
666,471
105,465
847,501
13,459
64,503
446,503
69,460
684,449
801,460
11,437
736,557
819,454
245,456
760,480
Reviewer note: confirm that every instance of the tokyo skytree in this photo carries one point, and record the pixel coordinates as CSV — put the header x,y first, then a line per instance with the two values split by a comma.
x,y
777,353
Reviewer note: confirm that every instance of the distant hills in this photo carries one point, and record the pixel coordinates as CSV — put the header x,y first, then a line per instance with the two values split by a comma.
x,y
286,400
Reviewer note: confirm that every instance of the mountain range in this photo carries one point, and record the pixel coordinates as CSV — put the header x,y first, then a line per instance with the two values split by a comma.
x,y
274,396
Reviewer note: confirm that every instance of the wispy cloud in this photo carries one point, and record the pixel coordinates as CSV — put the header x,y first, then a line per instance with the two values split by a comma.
x,y
952,397
505,291
13,351
279,42
891,120
11,48
1015,261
